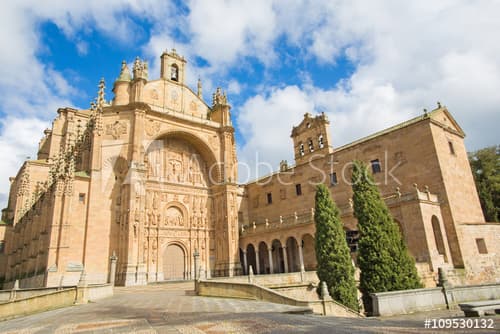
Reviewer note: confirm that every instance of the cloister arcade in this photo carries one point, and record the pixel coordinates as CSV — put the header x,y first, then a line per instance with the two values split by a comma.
x,y
279,255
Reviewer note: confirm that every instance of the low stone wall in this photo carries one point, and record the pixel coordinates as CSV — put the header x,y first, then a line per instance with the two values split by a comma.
x,y
26,301
49,301
6,295
275,279
304,291
409,301
253,291
460,294
99,291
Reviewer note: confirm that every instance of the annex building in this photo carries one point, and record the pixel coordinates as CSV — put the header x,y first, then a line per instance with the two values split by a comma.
x,y
144,188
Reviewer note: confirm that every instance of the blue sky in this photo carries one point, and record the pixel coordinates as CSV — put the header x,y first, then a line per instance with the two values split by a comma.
x,y
368,65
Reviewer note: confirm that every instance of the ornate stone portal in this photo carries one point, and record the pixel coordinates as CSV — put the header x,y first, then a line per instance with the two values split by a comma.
x,y
177,211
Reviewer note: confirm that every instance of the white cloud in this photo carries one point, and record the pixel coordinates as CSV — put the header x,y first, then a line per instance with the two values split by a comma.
x,y
18,141
266,122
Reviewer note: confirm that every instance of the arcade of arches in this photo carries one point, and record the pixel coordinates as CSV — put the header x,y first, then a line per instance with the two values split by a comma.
x,y
273,256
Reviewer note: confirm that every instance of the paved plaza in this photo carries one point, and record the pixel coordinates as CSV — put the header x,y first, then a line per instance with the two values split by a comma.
x,y
173,308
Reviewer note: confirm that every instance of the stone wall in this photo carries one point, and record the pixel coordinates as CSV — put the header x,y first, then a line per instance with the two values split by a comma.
x,y
35,304
417,300
253,291
15,303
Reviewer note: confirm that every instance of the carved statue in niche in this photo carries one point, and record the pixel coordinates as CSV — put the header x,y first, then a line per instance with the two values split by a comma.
x,y
153,219
145,254
156,201
153,251
158,218
147,218
175,170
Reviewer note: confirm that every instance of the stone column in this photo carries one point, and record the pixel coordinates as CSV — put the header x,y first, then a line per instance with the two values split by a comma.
x,y
112,269
301,258
257,261
196,255
285,262
245,263
270,253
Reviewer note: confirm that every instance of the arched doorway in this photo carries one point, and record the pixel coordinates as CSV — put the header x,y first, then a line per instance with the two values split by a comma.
x,y
309,252
174,263
263,258
277,255
292,254
251,260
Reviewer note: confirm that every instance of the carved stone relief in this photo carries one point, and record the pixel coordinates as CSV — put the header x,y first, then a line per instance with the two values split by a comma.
x,y
116,129
175,160
152,127
174,217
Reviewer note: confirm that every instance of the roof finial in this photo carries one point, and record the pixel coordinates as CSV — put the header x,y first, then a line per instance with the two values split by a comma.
x,y
124,73
100,94
439,104
425,112
199,92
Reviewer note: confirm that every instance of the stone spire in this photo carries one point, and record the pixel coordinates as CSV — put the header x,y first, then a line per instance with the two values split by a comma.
x,y
98,107
124,73
199,92
100,94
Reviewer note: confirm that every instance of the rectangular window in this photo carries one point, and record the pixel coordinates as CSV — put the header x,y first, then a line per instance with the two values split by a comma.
x,y
352,238
376,168
481,246
452,149
333,179
2,246
81,198
298,189
269,198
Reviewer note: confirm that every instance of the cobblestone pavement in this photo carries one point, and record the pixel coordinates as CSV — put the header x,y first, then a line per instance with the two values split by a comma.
x,y
173,308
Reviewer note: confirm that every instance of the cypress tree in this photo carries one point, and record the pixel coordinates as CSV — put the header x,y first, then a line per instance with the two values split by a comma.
x,y
332,252
383,257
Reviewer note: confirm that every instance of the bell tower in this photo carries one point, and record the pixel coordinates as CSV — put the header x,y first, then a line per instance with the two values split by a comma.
x,y
173,67
311,138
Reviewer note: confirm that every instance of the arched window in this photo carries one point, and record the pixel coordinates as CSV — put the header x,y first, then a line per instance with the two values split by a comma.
x,y
311,145
321,143
438,236
174,72
301,149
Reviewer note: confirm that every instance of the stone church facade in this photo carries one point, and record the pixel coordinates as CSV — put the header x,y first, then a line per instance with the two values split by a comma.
x,y
144,189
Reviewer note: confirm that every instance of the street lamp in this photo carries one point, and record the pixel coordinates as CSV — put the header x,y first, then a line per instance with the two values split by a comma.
x,y
196,255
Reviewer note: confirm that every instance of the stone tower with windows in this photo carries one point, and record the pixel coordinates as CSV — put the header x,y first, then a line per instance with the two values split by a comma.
x,y
311,138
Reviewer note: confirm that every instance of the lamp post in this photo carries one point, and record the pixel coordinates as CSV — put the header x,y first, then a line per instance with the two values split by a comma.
x,y
196,255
